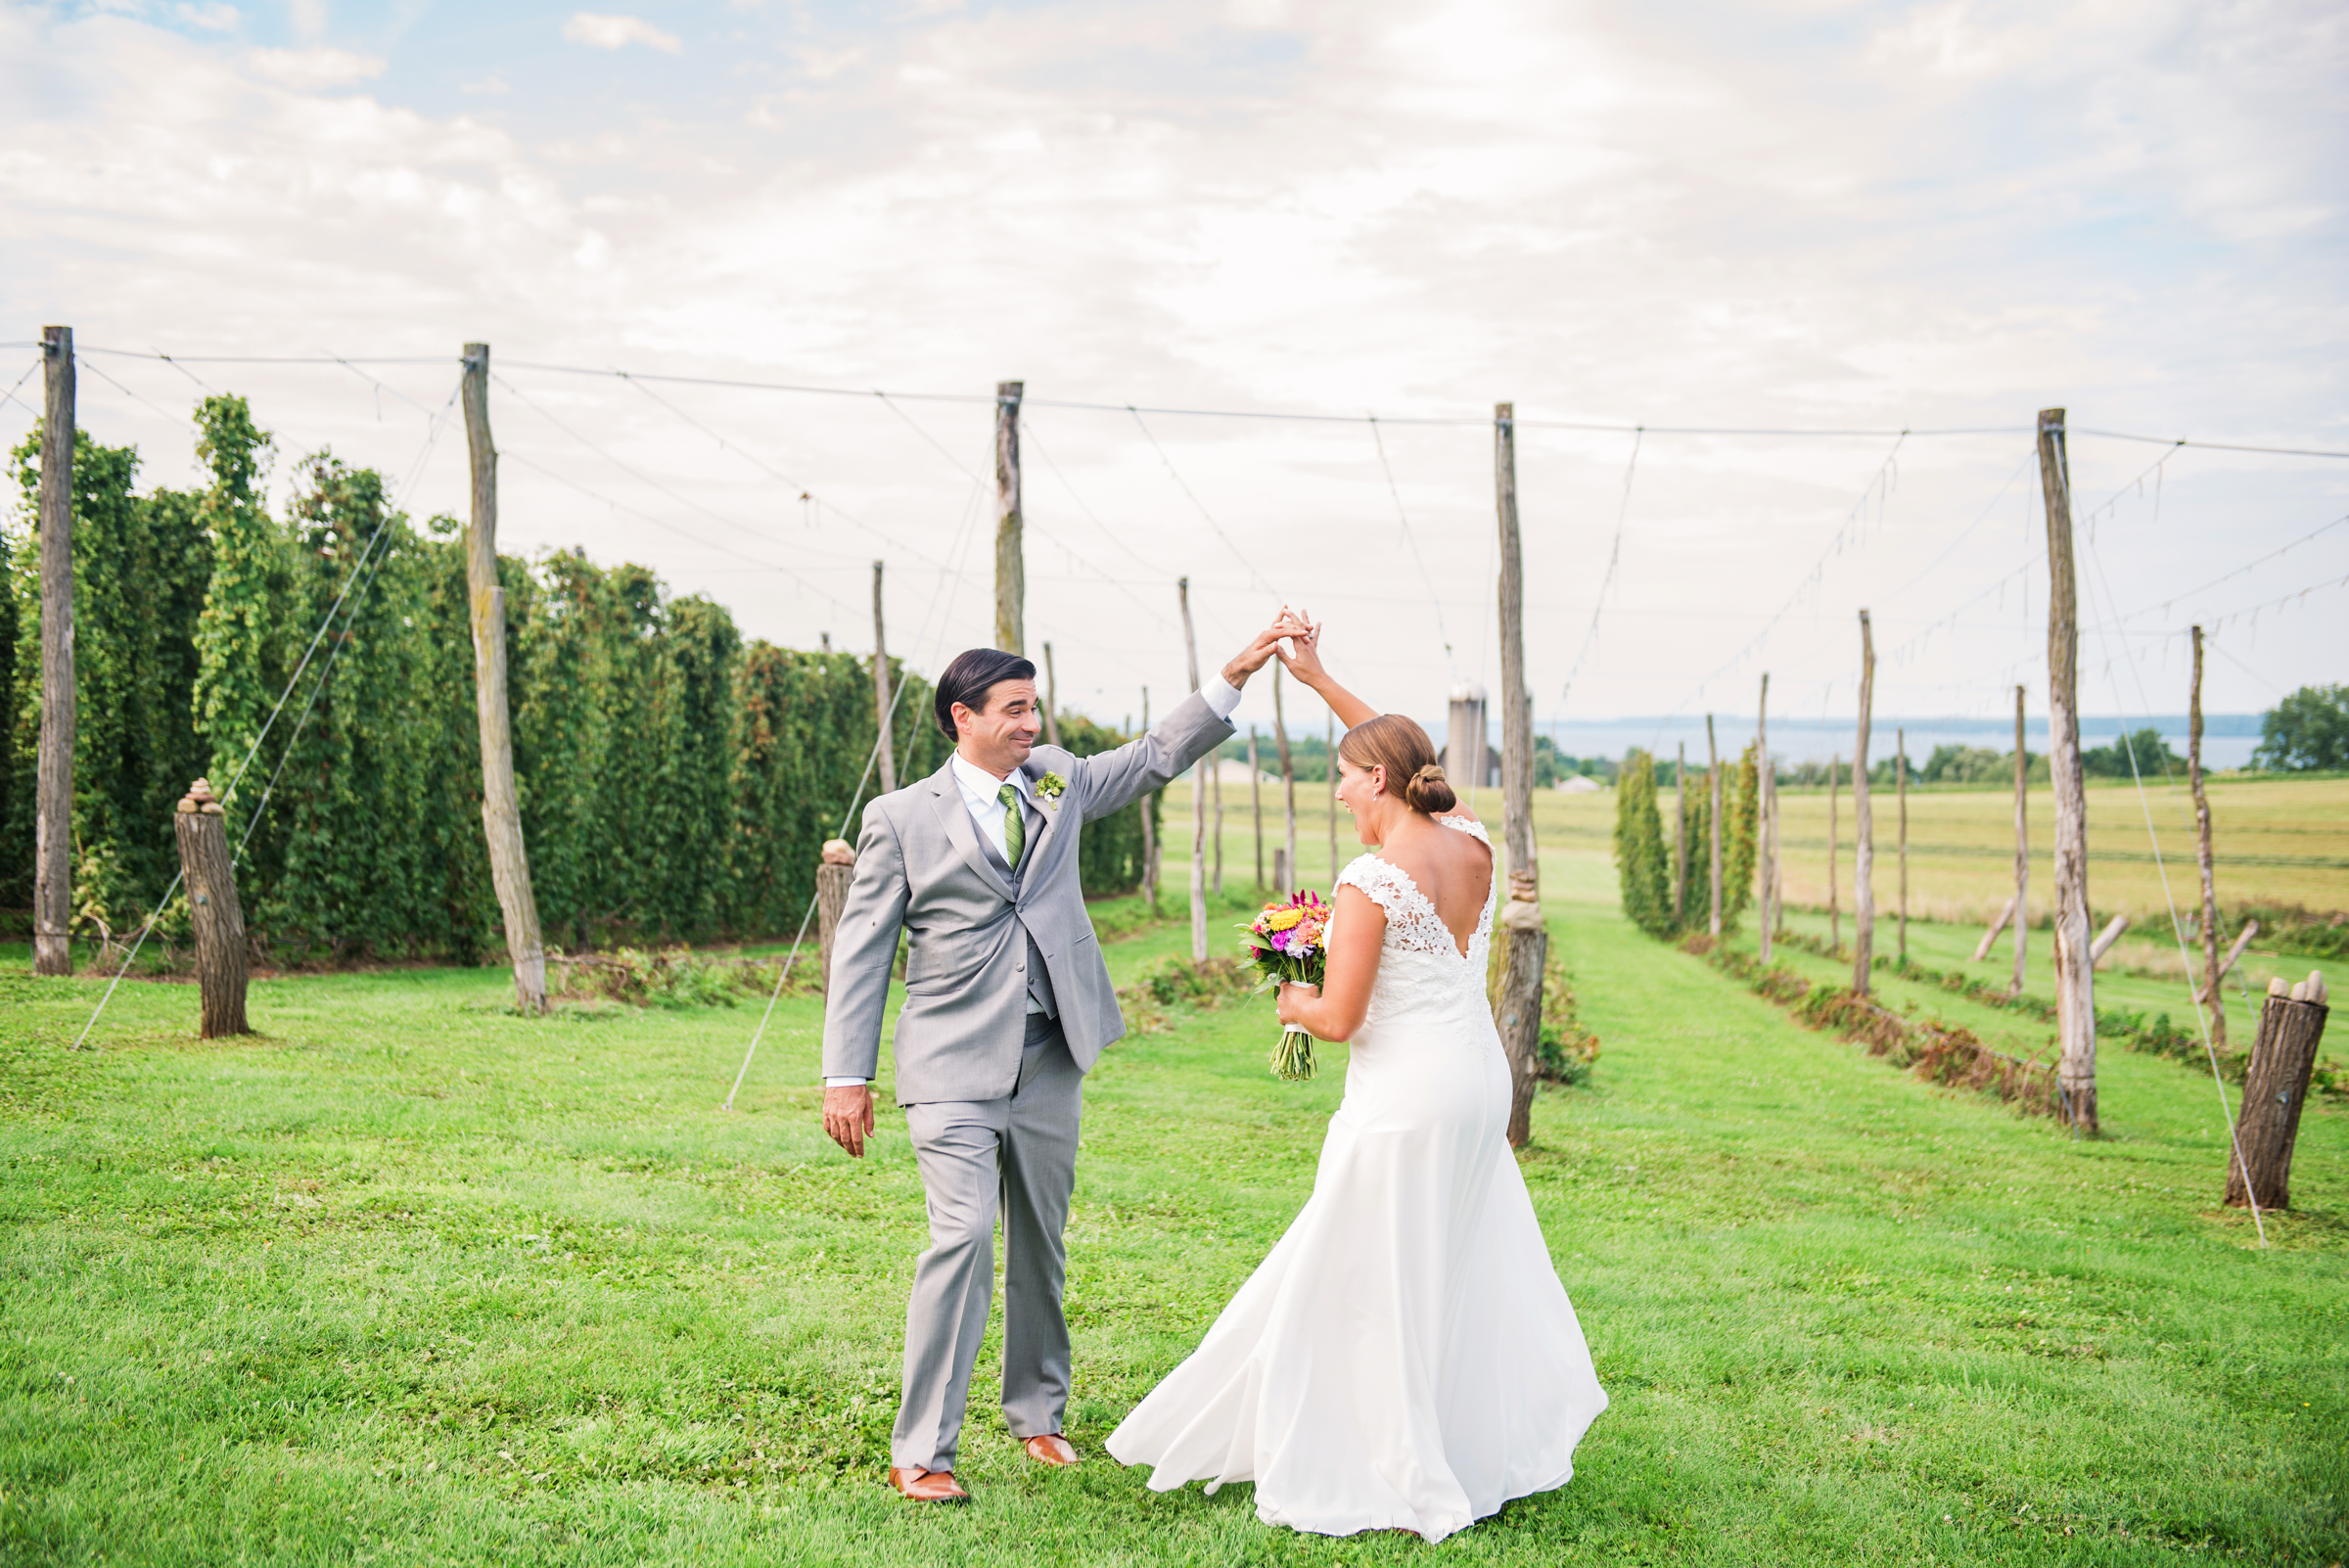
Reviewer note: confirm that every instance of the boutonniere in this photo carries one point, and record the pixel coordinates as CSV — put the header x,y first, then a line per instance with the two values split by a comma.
x,y
1049,790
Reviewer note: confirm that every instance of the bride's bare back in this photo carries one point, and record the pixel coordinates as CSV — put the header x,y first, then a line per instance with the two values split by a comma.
x,y
1453,870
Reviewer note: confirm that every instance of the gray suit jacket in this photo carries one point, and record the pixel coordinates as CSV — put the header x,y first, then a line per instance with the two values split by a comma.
x,y
921,869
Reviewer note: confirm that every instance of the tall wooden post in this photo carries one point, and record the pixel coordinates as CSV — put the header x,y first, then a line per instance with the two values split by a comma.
x,y
1864,842
1285,865
1680,840
1011,570
2075,972
1191,650
1330,738
2017,911
1520,940
834,874
1770,822
1255,800
1713,826
209,872
1899,763
501,808
1834,885
2291,1025
53,766
2214,999
1149,828
884,749
1051,700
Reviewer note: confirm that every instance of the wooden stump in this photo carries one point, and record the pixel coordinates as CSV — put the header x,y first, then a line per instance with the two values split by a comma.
x,y
1513,983
219,921
832,879
2290,1029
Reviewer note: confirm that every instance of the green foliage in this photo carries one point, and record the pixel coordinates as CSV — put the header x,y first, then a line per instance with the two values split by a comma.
x,y
2307,730
1643,862
243,625
1740,814
2141,754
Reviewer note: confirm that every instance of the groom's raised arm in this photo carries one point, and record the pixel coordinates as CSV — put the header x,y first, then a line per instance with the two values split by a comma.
x,y
864,949
1199,724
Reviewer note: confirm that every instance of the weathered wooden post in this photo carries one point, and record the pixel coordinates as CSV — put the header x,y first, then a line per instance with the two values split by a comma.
x,y
2291,1025
1011,570
833,874
53,766
1051,700
1864,830
1680,840
2018,909
1191,650
2214,1000
1770,823
2074,975
1834,888
1900,764
501,806
2243,940
1280,868
2105,939
1713,825
210,875
884,749
1520,940
1285,865
1255,800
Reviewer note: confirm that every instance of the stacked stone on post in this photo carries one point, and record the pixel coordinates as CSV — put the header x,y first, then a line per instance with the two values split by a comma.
x,y
200,826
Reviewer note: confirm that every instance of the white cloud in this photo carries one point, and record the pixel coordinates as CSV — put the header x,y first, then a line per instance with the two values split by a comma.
x,y
618,32
213,16
313,69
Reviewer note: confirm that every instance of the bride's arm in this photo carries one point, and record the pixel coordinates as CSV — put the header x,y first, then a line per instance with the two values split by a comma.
x,y
1303,661
1335,1009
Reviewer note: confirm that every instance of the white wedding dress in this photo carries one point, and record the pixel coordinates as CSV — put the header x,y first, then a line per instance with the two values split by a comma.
x,y
1405,1357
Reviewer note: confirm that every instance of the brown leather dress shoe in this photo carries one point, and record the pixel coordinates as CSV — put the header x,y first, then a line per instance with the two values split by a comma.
x,y
1051,1448
927,1486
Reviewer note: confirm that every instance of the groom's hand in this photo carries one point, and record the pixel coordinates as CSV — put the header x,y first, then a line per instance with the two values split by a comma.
x,y
1253,658
848,1115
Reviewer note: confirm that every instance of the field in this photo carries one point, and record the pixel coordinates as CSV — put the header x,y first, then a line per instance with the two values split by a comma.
x,y
411,1279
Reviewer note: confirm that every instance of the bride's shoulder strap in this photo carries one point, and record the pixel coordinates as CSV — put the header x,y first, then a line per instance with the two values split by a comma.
x,y
1474,829
1382,882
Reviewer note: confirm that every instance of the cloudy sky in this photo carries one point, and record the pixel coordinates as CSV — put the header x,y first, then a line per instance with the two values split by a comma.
x,y
1799,217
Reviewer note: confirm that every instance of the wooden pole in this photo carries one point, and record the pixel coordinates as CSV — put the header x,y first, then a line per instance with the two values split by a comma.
x,y
2018,908
1330,737
1256,802
2005,913
1680,840
1713,826
833,876
1900,765
1149,828
1051,700
1770,822
2105,939
2213,999
53,766
885,748
2074,975
1521,940
2243,940
1863,831
1190,649
211,874
1285,866
501,807
2292,1026
1011,570
1834,888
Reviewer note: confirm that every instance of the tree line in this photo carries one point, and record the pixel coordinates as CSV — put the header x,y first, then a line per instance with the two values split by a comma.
x,y
1666,877
676,780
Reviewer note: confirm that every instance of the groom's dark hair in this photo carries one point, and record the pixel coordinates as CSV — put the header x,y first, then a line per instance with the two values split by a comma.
x,y
969,674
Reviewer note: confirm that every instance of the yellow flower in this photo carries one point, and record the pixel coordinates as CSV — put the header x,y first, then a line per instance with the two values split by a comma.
x,y
1283,918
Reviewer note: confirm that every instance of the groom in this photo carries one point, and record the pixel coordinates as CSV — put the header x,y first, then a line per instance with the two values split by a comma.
x,y
1007,1006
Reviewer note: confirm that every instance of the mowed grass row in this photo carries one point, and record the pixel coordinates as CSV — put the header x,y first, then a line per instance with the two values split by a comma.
x,y
409,1278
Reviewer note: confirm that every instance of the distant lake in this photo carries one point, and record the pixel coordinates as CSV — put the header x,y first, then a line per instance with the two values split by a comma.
x,y
2228,739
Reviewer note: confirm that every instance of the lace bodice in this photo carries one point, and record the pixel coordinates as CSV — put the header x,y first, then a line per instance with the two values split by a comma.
x,y
1420,960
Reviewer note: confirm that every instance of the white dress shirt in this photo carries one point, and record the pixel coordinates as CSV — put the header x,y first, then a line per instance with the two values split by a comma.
x,y
980,797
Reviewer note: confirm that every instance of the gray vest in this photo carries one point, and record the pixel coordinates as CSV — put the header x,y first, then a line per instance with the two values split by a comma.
x,y
1040,979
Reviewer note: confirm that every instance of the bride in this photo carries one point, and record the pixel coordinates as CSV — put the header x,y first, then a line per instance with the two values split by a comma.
x,y
1405,1357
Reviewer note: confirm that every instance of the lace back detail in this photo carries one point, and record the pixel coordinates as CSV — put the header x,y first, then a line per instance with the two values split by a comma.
x,y
1413,924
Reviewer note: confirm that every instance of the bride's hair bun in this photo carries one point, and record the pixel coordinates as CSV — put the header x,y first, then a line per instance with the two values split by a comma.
x,y
1429,791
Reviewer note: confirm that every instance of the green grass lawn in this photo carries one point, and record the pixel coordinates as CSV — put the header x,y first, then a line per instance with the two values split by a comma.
x,y
410,1279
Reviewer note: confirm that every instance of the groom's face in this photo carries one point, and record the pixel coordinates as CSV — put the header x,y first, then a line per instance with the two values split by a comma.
x,y
1001,735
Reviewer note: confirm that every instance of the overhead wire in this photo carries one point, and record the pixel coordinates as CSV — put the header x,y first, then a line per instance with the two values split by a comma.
x,y
1181,485
1623,510
1408,537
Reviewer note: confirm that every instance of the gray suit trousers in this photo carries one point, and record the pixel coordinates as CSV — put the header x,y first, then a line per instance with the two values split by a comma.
x,y
1017,1154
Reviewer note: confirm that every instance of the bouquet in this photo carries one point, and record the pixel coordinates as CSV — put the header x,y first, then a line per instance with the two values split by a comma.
x,y
1289,941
